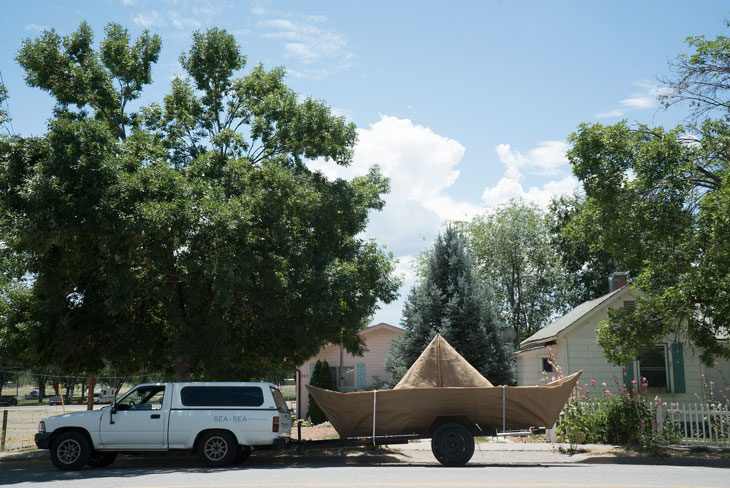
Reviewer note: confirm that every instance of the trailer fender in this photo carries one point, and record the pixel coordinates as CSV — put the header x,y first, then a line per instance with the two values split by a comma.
x,y
459,419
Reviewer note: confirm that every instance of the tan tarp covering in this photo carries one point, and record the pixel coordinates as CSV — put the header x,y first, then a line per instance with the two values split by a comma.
x,y
411,410
439,365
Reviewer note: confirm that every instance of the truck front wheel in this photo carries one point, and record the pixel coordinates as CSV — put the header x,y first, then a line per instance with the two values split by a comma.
x,y
452,444
70,451
217,448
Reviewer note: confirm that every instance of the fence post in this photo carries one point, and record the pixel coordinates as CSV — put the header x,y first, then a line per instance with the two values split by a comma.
x,y
659,420
5,430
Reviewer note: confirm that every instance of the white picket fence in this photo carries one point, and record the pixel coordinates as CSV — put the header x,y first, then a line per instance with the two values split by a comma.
x,y
698,424
692,424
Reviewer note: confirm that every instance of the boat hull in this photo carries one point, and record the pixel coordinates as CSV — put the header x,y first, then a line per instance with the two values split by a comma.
x,y
413,410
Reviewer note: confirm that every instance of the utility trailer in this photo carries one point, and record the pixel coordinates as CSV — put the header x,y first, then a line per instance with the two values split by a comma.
x,y
452,439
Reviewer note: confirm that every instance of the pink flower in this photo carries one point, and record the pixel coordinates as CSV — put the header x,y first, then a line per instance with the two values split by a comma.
x,y
643,379
593,382
582,397
664,404
633,382
603,384
552,378
607,392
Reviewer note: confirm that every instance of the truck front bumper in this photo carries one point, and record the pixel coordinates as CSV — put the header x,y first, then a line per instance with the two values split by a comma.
x,y
43,440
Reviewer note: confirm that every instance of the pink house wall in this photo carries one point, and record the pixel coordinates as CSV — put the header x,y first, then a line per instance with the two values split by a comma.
x,y
377,340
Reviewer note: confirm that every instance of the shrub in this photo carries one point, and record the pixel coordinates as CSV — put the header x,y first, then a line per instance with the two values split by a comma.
x,y
321,378
598,416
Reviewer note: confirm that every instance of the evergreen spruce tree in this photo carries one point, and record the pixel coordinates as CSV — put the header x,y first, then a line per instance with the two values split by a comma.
x,y
452,301
321,378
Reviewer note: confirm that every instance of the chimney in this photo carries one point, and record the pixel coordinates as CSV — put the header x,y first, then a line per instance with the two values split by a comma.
x,y
617,280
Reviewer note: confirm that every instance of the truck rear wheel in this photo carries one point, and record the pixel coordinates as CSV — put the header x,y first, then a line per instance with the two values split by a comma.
x,y
70,451
452,444
217,448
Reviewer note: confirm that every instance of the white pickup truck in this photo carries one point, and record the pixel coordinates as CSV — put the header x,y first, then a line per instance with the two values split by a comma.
x,y
222,422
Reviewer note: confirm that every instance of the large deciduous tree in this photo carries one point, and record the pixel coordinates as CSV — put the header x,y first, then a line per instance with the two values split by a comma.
x,y
661,203
451,301
189,236
587,268
661,199
512,251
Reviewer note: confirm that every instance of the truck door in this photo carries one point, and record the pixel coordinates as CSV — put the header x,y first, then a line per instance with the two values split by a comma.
x,y
138,421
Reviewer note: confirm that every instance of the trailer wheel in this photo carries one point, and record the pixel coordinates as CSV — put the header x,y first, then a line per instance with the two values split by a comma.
x,y
70,451
452,444
217,448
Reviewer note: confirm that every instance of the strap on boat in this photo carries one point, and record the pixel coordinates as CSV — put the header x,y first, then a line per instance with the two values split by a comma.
x,y
504,401
374,405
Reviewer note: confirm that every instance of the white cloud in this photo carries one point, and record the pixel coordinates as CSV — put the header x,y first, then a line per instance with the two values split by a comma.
x,y
642,100
547,159
184,23
421,166
609,114
35,27
306,39
148,19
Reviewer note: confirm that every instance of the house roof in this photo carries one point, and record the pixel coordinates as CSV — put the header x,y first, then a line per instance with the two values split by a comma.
x,y
554,329
381,326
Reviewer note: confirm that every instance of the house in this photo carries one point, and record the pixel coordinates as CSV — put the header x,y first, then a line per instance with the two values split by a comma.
x,y
359,373
672,371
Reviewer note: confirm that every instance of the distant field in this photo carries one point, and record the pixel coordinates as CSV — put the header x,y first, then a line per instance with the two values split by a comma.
x,y
23,423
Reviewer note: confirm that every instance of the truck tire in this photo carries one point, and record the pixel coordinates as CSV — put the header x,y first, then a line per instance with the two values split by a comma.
x,y
217,448
452,444
99,459
70,451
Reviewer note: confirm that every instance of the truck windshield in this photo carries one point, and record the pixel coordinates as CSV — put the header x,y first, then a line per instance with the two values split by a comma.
x,y
279,399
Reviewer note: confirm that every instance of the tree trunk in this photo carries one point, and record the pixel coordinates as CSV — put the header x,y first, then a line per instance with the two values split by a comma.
x,y
41,388
182,368
92,385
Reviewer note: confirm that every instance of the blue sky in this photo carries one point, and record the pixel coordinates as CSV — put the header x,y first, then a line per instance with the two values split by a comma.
x,y
464,105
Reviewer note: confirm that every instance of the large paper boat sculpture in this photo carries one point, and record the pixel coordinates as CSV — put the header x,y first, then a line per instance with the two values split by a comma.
x,y
442,383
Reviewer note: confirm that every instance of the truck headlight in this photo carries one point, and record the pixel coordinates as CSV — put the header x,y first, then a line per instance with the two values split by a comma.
x,y
42,427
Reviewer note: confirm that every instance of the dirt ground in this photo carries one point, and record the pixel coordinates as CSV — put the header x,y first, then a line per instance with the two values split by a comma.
x,y
316,433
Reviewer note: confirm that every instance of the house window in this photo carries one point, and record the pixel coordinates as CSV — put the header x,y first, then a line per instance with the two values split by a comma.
x,y
653,367
349,377
630,304
547,366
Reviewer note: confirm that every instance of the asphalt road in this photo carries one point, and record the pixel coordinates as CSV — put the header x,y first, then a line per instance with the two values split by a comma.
x,y
367,469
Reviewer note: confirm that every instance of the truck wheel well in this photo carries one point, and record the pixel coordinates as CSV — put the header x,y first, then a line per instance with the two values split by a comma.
x,y
84,432
459,419
200,434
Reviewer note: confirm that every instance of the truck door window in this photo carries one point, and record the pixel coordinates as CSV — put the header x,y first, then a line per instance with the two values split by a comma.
x,y
143,398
